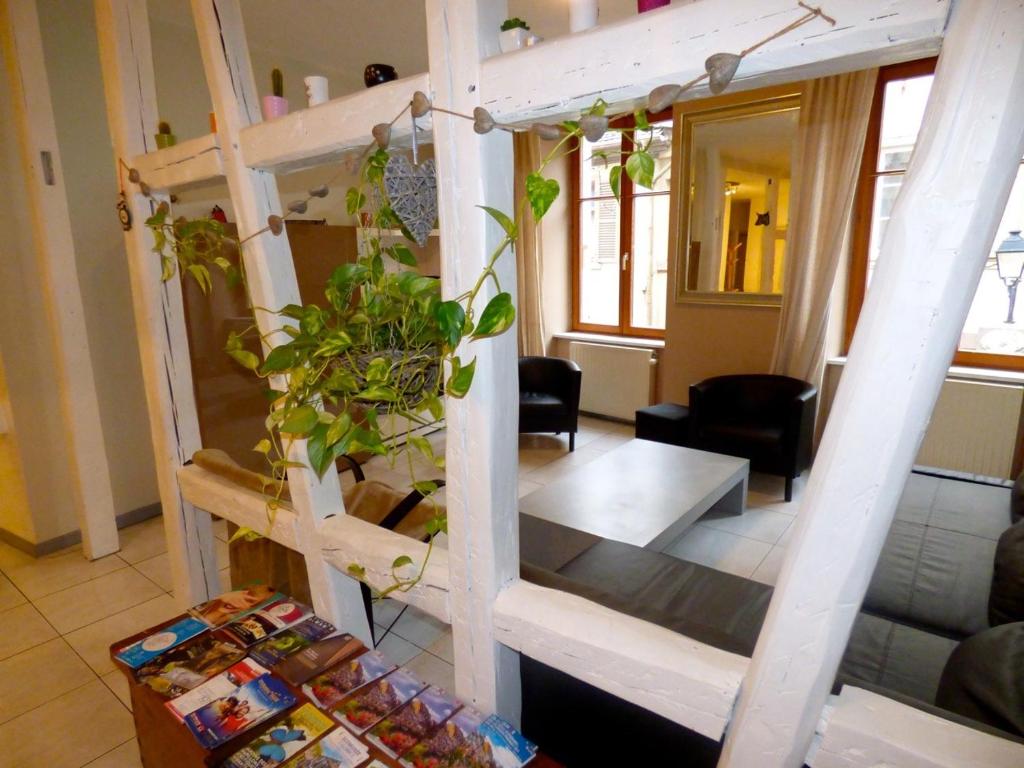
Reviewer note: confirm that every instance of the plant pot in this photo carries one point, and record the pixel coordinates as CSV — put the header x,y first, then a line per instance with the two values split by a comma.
x,y
274,106
513,39
165,140
649,5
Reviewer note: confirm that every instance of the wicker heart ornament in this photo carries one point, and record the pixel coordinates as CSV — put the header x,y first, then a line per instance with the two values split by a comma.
x,y
412,190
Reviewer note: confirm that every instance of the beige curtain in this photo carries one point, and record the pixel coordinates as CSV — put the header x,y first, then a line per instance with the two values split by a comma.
x,y
833,124
529,272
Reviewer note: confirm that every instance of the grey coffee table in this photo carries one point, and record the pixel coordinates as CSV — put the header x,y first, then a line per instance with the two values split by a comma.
x,y
642,493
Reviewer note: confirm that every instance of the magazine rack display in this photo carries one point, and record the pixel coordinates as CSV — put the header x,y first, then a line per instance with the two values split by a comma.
x,y
301,721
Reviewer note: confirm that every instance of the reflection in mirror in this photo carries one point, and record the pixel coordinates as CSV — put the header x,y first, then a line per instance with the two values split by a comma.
x,y
737,172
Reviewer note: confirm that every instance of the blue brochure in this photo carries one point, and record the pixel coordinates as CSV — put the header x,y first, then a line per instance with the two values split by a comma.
x,y
139,653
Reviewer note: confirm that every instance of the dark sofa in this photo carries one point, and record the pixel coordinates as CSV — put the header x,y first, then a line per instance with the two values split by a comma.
x,y
929,597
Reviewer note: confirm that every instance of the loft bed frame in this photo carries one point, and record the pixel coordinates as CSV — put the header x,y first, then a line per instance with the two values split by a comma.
x,y
773,709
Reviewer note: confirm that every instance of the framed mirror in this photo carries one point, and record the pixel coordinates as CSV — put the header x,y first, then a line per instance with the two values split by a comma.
x,y
734,190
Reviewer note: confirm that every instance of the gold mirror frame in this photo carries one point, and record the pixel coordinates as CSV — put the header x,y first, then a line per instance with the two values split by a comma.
x,y
687,115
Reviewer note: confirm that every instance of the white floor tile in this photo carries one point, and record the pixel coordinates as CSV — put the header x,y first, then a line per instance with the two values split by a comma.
x,y
398,649
37,675
419,628
759,500
433,671
768,571
118,683
21,628
143,540
68,731
10,595
52,573
761,524
386,611
92,642
527,486
720,550
607,442
443,646
158,570
125,756
93,600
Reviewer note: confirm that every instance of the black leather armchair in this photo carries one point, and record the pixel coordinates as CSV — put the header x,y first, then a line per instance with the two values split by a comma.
x,y
767,419
549,396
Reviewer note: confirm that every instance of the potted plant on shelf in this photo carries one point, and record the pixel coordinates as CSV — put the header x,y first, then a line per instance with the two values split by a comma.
x,y
274,103
514,34
164,137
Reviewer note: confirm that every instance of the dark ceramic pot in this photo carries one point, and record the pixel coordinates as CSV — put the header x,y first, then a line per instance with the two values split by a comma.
x,y
375,74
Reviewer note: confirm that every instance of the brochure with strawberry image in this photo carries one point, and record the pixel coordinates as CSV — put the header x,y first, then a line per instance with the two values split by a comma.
x,y
232,605
295,732
338,749
503,746
147,649
276,648
300,667
364,708
236,675
229,716
333,685
415,721
454,744
267,621
189,665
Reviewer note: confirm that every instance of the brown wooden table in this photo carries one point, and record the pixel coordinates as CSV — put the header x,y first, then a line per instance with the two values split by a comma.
x,y
164,742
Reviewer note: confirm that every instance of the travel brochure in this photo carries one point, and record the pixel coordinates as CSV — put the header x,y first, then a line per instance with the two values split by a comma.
x,y
266,621
220,693
231,715
295,732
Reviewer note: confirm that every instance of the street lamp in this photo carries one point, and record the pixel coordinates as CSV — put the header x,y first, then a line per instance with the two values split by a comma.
x,y
1010,266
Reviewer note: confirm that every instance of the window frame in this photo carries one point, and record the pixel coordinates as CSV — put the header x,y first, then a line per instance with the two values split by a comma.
x,y
863,207
627,195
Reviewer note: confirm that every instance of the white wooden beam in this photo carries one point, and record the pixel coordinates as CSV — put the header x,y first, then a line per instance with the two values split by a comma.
x,y
272,284
320,134
861,729
623,61
482,459
126,58
684,680
89,471
189,162
934,250
219,496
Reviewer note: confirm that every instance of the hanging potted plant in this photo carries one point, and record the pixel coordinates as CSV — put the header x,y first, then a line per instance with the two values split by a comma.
x,y
514,34
164,137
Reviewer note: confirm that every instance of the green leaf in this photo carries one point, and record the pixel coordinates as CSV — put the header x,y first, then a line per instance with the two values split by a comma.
x,y
378,370
615,180
378,393
461,378
245,358
598,108
338,428
263,446
300,420
497,317
541,193
400,561
280,358
640,117
435,407
402,255
356,571
450,317
335,343
640,167
506,223
422,445
354,200
320,458
248,534
425,487
202,276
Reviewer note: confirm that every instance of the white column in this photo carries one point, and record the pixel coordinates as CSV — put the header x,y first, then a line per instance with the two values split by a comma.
x,y
126,57
89,471
932,256
482,455
270,273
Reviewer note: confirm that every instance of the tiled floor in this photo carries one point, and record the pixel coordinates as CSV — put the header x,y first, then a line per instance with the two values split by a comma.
x,y
59,614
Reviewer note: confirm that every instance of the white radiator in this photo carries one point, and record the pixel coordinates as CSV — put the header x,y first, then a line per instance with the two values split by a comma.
x,y
616,380
974,428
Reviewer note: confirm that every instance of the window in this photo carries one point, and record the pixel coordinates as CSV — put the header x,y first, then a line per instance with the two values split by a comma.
x,y
620,259
988,337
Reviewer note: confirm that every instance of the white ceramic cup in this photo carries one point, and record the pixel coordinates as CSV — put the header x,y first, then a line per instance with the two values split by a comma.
x,y
582,15
316,89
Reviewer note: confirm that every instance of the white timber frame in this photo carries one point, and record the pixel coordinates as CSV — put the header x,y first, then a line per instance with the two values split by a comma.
x,y
773,709
89,470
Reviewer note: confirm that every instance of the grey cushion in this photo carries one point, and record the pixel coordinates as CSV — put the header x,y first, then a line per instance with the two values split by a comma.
x,y
895,656
932,577
1006,598
984,678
